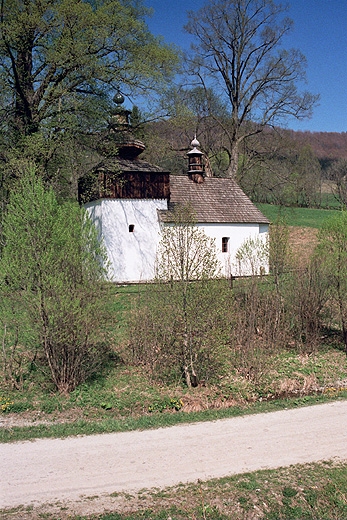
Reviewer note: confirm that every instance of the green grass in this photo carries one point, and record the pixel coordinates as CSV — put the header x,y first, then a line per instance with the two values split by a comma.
x,y
329,201
120,304
107,422
125,398
300,217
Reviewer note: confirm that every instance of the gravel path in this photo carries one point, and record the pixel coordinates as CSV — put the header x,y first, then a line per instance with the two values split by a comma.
x,y
43,471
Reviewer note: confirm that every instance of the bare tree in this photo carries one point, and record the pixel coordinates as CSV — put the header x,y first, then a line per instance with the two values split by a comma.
x,y
185,255
239,53
338,174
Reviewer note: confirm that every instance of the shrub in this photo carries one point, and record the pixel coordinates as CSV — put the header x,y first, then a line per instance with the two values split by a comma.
x,y
52,270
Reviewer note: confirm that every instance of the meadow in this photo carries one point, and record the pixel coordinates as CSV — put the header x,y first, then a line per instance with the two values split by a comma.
x,y
298,217
310,492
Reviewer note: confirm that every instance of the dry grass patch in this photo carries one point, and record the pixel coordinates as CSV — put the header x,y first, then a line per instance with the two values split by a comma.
x,y
303,241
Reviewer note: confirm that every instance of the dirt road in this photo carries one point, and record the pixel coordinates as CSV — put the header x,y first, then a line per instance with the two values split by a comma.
x,y
43,471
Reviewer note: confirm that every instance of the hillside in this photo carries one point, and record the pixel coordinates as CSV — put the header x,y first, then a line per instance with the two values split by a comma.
x,y
325,145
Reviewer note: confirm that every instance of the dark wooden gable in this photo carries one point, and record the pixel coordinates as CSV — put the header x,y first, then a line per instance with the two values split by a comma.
x,y
134,185
124,179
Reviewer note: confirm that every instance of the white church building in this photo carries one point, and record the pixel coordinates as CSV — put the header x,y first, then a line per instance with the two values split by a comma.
x,y
129,200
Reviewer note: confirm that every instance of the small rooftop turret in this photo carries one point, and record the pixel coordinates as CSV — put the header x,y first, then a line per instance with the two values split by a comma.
x,y
122,174
195,162
121,131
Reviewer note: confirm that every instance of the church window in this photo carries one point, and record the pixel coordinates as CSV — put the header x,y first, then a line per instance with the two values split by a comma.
x,y
225,242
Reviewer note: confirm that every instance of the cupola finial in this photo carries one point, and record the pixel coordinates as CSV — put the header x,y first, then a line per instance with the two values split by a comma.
x,y
118,98
195,142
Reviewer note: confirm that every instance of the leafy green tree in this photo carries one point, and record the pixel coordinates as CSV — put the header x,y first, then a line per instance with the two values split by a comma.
x,y
276,168
309,178
57,54
338,174
280,253
51,267
239,52
59,62
306,295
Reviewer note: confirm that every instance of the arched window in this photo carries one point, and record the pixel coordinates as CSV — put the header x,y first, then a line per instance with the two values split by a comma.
x,y
225,242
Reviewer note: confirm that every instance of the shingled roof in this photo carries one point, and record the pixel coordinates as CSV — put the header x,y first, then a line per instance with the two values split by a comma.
x,y
128,165
214,200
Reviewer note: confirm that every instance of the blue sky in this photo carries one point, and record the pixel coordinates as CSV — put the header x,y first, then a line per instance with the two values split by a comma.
x,y
320,33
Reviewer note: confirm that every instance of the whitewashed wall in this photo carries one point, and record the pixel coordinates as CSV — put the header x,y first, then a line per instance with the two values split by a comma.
x,y
238,234
131,254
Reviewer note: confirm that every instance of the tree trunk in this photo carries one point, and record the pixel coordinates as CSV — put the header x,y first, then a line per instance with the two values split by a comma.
x,y
344,332
187,376
341,296
234,160
25,120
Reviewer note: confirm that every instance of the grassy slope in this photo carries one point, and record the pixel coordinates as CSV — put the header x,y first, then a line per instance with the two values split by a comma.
x,y
300,217
125,397
312,492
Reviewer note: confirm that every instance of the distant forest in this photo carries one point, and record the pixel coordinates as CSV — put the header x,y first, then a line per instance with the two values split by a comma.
x,y
327,146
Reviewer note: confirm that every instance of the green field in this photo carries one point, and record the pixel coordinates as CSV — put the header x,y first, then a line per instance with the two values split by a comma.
x,y
300,217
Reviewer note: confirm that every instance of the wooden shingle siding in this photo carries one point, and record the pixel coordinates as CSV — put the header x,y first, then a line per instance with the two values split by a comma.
x,y
124,179
135,185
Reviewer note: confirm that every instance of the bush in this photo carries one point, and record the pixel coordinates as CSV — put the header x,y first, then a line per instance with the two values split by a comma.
x,y
181,328
52,271
190,342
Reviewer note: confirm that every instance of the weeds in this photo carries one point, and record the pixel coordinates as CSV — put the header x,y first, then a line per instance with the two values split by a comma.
x,y
166,404
5,404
